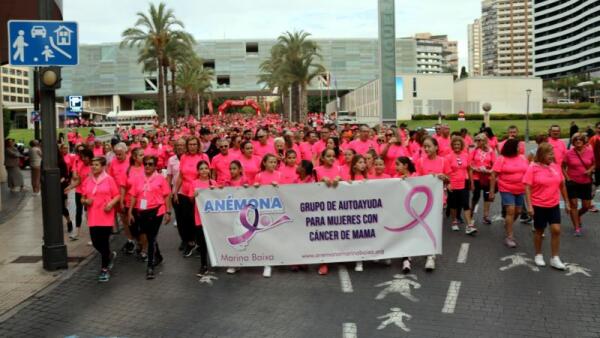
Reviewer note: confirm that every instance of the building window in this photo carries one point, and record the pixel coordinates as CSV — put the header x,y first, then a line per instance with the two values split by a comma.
x,y
19,90
18,72
209,64
25,91
4,70
12,80
13,98
26,82
251,47
19,99
19,81
26,100
151,84
13,89
5,88
25,73
223,81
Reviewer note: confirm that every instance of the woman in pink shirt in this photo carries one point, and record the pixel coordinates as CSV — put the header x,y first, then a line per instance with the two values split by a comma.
x,y
358,172
458,191
379,169
578,168
150,203
236,177
345,164
306,173
100,195
391,150
81,172
188,172
482,158
201,182
262,146
134,172
268,176
432,164
508,170
288,167
544,184
250,162
369,160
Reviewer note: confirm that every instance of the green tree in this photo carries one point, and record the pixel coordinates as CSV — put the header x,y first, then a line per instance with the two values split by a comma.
x,y
151,33
195,82
463,73
6,122
293,64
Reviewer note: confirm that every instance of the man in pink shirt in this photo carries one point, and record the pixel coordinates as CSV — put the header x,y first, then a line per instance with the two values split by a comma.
x,y
306,147
512,132
442,136
220,163
364,143
560,149
321,144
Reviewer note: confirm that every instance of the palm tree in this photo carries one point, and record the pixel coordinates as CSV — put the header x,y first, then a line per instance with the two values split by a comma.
x,y
194,81
293,64
151,34
178,51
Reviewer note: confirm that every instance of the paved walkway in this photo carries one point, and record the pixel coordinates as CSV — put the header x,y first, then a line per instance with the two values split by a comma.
x,y
481,288
21,232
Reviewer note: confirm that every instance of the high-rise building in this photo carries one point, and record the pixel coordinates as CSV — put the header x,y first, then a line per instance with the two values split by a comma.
x,y
16,86
567,38
507,37
475,48
449,50
430,57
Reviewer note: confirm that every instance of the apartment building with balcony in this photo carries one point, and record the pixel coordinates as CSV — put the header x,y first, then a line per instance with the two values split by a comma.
x,y
475,48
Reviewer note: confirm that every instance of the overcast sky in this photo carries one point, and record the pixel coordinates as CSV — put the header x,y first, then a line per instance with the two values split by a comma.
x,y
104,20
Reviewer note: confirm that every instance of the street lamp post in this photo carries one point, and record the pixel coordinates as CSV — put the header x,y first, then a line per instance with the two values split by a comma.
x,y
486,113
528,91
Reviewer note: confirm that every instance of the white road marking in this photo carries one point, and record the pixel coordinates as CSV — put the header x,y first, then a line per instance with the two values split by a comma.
x,y
518,259
401,284
395,317
350,330
451,297
463,253
345,279
573,268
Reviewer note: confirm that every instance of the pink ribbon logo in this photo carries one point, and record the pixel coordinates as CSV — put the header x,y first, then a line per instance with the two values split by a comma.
x,y
258,224
418,218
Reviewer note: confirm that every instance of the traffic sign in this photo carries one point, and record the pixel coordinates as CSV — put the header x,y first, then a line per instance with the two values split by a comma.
x,y
75,103
43,43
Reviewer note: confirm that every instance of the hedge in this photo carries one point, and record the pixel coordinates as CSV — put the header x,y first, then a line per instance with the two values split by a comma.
x,y
499,117
581,105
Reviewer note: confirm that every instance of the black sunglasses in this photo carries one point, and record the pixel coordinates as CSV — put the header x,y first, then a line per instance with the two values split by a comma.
x,y
149,164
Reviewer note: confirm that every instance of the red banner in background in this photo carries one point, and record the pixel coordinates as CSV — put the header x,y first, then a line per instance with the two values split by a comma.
x,y
239,103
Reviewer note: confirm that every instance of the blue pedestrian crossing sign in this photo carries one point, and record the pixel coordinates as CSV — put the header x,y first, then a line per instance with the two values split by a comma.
x,y
43,43
75,103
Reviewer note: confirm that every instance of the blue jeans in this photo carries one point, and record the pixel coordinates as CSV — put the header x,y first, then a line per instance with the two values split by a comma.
x,y
509,199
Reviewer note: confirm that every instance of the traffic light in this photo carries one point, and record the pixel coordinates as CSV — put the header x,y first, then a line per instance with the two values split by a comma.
x,y
50,78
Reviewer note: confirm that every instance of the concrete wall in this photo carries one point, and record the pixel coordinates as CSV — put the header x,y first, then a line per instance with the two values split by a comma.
x,y
505,94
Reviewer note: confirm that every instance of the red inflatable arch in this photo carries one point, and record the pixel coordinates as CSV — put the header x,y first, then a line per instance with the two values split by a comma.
x,y
238,103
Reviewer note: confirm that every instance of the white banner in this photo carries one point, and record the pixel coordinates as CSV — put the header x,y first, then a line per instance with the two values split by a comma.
x,y
310,223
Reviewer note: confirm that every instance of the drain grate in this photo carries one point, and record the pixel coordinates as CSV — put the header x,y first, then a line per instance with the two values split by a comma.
x,y
35,259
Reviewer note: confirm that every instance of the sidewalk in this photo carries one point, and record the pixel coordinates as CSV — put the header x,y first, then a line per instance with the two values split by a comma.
x,y
21,232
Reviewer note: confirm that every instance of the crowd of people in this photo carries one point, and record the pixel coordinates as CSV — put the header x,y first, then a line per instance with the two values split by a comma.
x,y
142,179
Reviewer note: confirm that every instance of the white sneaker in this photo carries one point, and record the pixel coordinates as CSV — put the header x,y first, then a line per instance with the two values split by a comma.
x,y
358,267
430,263
470,230
455,227
539,260
267,272
556,263
406,266
231,271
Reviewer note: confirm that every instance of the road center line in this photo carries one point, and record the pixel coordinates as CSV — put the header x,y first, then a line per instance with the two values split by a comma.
x,y
350,330
451,297
463,253
345,279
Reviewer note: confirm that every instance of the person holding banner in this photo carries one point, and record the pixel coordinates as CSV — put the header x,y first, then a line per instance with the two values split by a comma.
x,y
358,172
100,194
202,181
188,172
287,168
379,169
348,156
508,170
150,203
305,172
404,169
458,192
544,183
268,175
432,164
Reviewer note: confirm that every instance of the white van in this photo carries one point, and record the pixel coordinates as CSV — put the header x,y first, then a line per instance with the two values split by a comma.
x,y
565,101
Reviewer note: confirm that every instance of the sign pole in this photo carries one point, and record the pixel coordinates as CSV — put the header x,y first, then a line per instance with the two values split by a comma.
x,y
36,101
54,250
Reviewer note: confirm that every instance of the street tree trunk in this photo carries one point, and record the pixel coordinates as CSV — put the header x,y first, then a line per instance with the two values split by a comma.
x,y
174,106
161,88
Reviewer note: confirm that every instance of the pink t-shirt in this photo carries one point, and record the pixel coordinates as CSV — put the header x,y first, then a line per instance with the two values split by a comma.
x,y
306,180
202,185
118,170
394,151
261,150
173,170
361,147
330,173
493,143
98,151
240,182
459,165
544,182
83,171
510,171
288,174
426,166
189,172
379,177
482,159
521,147
306,151
318,148
101,191
221,164
575,168
250,166
560,150
414,150
266,178
153,190
443,145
